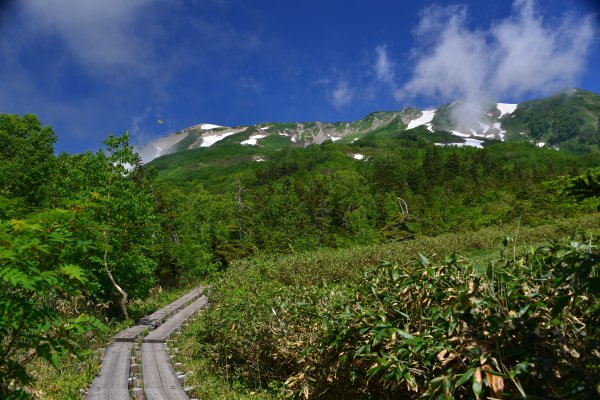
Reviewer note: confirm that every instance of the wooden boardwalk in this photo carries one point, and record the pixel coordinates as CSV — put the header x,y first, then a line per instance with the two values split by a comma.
x,y
157,318
112,381
161,333
160,381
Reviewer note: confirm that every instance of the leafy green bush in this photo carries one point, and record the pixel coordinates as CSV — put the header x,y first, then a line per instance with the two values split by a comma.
x,y
455,329
43,288
528,326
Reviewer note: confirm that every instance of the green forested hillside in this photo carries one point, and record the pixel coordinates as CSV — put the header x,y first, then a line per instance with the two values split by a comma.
x,y
321,196
311,312
570,120
292,240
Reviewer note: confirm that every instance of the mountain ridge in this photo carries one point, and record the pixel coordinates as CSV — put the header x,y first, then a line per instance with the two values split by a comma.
x,y
570,118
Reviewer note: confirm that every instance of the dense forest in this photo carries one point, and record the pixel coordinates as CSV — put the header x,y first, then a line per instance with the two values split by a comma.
x,y
320,196
303,303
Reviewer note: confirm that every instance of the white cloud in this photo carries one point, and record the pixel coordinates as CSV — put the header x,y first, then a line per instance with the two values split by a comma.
x,y
533,56
342,95
104,36
88,66
383,66
522,54
455,63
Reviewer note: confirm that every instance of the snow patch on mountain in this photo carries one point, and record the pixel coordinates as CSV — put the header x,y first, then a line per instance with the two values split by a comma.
x,y
460,134
470,142
424,119
252,140
506,108
208,127
209,140
501,131
473,143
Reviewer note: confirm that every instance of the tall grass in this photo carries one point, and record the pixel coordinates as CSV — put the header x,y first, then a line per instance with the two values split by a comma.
x,y
287,322
336,265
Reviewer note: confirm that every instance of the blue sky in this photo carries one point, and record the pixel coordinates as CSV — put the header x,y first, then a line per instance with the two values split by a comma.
x,y
88,68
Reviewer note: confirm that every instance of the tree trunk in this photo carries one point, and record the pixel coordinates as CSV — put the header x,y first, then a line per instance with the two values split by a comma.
x,y
123,293
240,208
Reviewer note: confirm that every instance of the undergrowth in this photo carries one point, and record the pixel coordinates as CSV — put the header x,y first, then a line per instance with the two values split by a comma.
x,y
74,373
346,324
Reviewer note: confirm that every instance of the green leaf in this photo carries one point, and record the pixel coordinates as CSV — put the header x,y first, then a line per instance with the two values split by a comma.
x,y
465,377
17,278
73,272
404,334
477,387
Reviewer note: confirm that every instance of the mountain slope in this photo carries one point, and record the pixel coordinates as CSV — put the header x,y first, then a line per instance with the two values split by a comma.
x,y
568,120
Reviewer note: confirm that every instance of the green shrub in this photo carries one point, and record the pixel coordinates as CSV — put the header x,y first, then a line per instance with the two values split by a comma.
x,y
456,329
447,329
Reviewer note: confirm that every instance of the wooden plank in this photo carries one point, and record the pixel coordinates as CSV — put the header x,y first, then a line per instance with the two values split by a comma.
x,y
159,316
150,374
160,334
155,394
120,372
111,383
118,394
160,380
130,334
161,394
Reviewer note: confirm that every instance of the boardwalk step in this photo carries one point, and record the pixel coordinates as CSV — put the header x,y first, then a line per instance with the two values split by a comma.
x,y
159,316
130,334
112,381
160,334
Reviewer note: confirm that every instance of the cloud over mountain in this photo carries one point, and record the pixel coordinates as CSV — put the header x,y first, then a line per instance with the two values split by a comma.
x,y
523,54
342,95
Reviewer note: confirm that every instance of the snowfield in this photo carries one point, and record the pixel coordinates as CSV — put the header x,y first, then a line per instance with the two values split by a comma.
x,y
506,108
208,127
424,119
253,140
208,141
460,134
468,142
